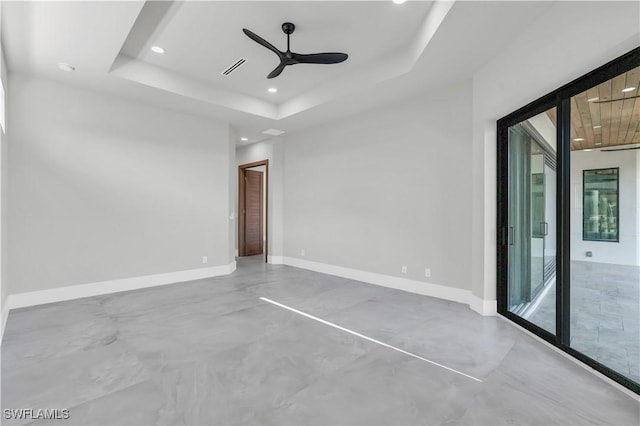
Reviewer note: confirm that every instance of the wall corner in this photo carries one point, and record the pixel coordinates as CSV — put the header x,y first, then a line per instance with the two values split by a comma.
x,y
488,308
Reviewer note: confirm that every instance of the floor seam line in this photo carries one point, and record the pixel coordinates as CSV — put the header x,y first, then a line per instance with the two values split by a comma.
x,y
367,338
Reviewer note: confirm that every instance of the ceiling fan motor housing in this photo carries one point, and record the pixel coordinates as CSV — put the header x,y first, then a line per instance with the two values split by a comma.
x,y
288,28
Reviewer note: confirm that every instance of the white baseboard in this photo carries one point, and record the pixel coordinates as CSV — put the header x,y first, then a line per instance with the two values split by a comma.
x,y
275,260
32,298
484,307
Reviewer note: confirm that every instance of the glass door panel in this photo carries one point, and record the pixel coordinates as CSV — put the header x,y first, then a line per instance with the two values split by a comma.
x,y
531,210
605,224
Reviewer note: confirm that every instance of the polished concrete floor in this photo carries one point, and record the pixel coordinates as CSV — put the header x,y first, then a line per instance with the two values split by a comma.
x,y
605,314
212,352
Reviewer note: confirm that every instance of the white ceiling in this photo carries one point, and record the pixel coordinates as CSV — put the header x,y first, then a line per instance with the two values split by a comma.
x,y
202,39
394,51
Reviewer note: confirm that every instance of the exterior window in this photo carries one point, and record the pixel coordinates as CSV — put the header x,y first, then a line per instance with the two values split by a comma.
x,y
600,205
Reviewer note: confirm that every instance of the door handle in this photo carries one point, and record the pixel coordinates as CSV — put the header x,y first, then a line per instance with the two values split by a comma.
x,y
544,228
511,235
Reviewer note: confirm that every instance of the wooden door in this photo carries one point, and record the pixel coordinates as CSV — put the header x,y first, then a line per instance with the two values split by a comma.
x,y
253,213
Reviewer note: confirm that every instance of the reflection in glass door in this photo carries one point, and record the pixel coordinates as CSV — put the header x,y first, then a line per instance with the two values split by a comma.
x,y
531,210
537,218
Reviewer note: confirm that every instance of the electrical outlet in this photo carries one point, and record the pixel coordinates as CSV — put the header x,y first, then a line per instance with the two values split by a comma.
x,y
404,269
302,252
427,272
205,259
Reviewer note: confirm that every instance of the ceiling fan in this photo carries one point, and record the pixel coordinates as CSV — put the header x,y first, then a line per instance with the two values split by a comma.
x,y
291,58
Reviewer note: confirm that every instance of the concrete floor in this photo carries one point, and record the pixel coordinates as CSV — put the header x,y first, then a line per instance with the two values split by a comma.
x,y
211,352
605,314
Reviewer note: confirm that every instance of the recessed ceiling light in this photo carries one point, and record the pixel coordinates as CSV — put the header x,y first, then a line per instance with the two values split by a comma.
x,y
272,90
66,67
399,1
244,139
597,127
587,150
578,139
629,89
593,99
157,49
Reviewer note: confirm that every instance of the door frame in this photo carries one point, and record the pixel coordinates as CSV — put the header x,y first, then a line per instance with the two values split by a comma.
x,y
503,237
241,207
561,99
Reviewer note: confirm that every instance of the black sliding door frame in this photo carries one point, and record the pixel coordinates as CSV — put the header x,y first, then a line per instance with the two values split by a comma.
x,y
561,100
504,239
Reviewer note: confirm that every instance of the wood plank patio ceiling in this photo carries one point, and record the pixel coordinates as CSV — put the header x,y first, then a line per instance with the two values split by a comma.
x,y
604,115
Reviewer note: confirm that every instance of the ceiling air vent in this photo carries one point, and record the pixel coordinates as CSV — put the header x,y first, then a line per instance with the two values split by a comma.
x,y
273,132
234,67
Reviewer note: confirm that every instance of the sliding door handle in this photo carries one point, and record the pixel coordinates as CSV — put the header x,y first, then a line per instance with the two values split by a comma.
x,y
544,228
511,235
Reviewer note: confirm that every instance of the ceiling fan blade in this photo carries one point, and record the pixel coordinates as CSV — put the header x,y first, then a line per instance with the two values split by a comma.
x,y
276,72
255,37
320,58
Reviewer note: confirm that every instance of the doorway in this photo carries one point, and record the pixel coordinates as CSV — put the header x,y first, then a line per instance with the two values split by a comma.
x,y
253,190
565,272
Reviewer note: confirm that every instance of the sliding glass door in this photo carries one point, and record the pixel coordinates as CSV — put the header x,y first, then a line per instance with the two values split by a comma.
x,y
569,218
605,223
531,208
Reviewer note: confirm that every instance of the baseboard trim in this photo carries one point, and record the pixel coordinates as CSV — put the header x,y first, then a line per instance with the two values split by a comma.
x,y
275,260
60,294
412,286
487,308
32,298
5,316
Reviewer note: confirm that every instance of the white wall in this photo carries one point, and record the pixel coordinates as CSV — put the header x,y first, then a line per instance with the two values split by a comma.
x,y
555,50
232,194
102,188
385,188
627,250
3,193
271,150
